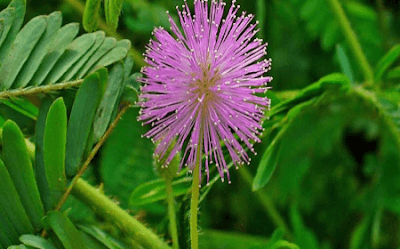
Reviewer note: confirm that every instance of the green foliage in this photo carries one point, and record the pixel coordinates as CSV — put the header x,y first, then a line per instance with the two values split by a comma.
x,y
329,159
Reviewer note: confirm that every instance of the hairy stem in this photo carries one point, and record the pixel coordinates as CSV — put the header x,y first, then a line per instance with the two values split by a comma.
x,y
38,89
351,39
171,213
194,235
266,203
108,210
80,7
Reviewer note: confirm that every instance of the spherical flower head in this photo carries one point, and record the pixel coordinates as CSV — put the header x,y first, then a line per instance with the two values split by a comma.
x,y
201,88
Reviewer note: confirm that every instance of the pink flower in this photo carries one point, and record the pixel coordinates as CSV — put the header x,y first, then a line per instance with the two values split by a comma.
x,y
204,85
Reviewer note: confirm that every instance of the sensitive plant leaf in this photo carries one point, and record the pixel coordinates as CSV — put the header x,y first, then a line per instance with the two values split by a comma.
x,y
231,240
80,121
11,203
99,38
78,48
19,7
64,37
36,241
126,160
91,242
101,236
109,100
115,54
283,244
276,236
54,148
304,237
344,62
91,15
155,190
22,106
394,73
330,81
386,61
53,22
112,10
40,170
107,45
268,162
68,234
19,165
131,90
23,45
359,238
7,16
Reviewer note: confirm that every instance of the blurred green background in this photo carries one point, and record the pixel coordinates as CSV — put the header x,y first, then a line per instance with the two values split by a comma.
x,y
337,181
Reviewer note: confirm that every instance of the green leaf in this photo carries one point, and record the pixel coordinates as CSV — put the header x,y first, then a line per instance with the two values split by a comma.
x,y
283,244
7,15
35,58
80,122
69,236
304,237
155,190
394,73
71,74
12,208
40,170
64,37
360,234
105,47
330,81
101,236
126,159
117,53
36,241
18,163
131,89
109,100
91,15
112,11
344,62
19,7
231,240
268,163
23,45
78,48
54,148
23,106
386,61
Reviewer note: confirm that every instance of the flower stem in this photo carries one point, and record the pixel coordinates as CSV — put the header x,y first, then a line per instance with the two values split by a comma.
x,y
171,213
267,204
108,210
194,235
352,41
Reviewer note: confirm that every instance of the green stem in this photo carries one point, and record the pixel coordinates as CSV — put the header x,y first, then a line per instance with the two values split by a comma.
x,y
351,39
171,213
108,210
194,236
38,89
266,203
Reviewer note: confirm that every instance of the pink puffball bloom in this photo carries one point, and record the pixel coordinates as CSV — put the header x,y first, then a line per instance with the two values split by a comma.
x,y
202,86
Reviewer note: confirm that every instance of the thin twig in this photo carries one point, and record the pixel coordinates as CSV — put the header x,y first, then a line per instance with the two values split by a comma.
x,y
89,159
39,89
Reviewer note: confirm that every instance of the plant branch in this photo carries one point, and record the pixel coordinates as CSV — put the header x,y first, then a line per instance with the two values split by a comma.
x,y
91,156
88,160
107,209
267,204
80,7
38,89
351,39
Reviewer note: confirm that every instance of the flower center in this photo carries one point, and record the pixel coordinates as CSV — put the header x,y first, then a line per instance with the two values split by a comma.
x,y
203,86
